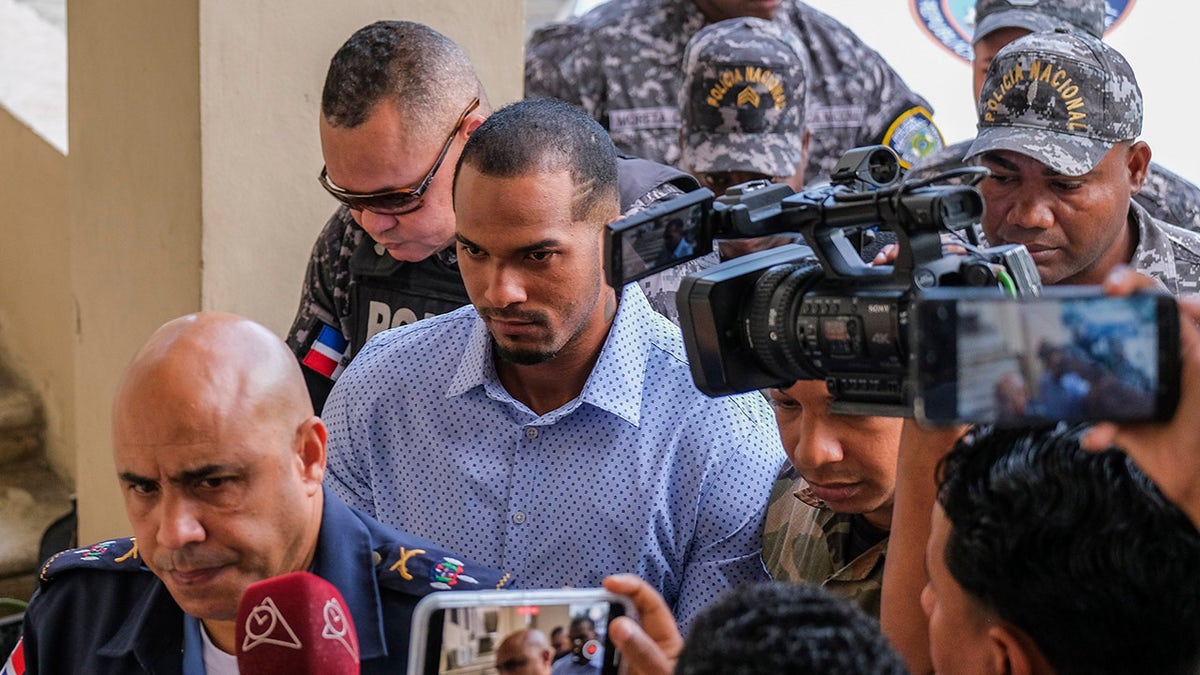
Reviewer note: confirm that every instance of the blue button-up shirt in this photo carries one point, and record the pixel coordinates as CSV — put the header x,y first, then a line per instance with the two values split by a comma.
x,y
640,473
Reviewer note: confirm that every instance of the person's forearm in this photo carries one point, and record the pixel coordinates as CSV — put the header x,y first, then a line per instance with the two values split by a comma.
x,y
904,576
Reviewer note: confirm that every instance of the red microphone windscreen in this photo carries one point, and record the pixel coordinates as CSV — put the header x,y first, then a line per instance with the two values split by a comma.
x,y
295,623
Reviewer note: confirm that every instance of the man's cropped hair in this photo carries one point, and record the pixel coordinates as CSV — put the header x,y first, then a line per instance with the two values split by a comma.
x,y
766,629
548,136
424,73
1079,551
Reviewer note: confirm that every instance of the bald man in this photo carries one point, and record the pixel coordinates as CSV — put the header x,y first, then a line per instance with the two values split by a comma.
x,y
220,460
525,652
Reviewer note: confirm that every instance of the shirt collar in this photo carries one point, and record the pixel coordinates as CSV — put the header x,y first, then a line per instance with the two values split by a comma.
x,y
615,383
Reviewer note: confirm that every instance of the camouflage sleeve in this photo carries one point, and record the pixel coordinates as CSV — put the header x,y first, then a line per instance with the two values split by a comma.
x,y
548,62
856,75
1170,198
325,296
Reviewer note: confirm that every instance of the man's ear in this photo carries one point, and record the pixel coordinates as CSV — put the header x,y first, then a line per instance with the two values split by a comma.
x,y
1013,653
472,123
1137,162
311,438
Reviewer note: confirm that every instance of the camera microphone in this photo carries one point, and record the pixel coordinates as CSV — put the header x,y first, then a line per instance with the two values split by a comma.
x,y
295,623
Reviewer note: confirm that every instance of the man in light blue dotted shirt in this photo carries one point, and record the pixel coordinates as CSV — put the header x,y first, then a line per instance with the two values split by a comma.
x,y
552,427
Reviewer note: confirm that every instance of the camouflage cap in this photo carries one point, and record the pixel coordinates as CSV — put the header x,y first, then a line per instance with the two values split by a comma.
x,y
1039,15
1061,98
742,100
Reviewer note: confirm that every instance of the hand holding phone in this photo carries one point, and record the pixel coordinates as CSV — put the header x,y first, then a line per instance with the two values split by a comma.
x,y
1169,453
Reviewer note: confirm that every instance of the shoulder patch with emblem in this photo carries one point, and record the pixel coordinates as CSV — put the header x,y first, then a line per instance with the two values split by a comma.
x,y
913,135
420,570
113,555
326,353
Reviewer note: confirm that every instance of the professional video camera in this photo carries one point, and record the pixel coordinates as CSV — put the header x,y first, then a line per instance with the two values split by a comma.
x,y
818,311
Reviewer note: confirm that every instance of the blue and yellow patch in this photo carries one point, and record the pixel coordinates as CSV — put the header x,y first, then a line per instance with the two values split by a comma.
x,y
913,135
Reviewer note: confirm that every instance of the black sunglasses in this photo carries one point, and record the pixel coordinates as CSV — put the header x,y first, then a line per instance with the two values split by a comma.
x,y
395,201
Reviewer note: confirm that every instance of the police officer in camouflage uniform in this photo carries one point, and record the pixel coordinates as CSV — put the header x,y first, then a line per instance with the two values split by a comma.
x,y
1166,195
831,507
742,109
221,463
621,62
1059,116
386,256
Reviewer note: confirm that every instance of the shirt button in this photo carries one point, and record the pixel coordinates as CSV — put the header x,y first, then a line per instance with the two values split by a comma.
x,y
531,432
518,517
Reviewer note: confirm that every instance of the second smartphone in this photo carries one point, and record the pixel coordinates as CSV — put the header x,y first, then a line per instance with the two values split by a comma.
x,y
1071,354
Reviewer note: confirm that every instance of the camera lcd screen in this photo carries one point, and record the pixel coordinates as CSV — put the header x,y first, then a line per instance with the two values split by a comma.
x,y
1053,358
473,639
658,238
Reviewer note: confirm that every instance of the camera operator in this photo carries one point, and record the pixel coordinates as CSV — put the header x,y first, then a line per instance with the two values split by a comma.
x,y
1166,195
831,507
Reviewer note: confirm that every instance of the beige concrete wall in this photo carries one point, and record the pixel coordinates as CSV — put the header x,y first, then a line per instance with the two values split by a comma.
x,y
37,311
261,69
194,155
134,171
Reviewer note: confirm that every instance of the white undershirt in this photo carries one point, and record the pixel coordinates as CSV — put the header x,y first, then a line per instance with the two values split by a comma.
x,y
217,662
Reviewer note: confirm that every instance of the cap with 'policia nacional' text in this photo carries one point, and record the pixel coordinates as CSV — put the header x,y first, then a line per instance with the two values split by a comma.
x,y
742,100
1061,98
1038,15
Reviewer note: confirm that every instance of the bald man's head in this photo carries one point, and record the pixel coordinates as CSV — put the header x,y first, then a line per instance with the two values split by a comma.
x,y
220,460
525,652
223,361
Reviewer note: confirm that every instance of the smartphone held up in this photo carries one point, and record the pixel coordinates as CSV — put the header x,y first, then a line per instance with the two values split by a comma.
x,y
484,632
1071,354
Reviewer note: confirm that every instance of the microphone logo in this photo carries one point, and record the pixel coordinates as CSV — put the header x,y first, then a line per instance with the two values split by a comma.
x,y
266,625
337,627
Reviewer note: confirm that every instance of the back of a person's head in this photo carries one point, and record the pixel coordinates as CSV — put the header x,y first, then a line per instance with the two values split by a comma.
x,y
547,136
767,629
1079,551
418,69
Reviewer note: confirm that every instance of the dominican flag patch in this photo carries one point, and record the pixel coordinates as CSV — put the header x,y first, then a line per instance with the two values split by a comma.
x,y
16,663
326,353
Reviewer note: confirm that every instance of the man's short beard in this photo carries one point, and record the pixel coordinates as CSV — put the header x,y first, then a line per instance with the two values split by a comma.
x,y
522,357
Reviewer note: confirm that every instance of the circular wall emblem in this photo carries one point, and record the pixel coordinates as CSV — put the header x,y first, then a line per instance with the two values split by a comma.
x,y
951,23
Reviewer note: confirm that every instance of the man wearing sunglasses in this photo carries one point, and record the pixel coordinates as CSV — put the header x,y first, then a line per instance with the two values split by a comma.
x,y
399,102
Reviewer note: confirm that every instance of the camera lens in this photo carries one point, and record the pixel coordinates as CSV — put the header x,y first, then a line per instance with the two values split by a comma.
x,y
770,319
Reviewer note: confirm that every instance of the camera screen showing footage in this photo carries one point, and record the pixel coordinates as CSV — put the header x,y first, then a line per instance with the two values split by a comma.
x,y
1092,358
662,242
484,640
